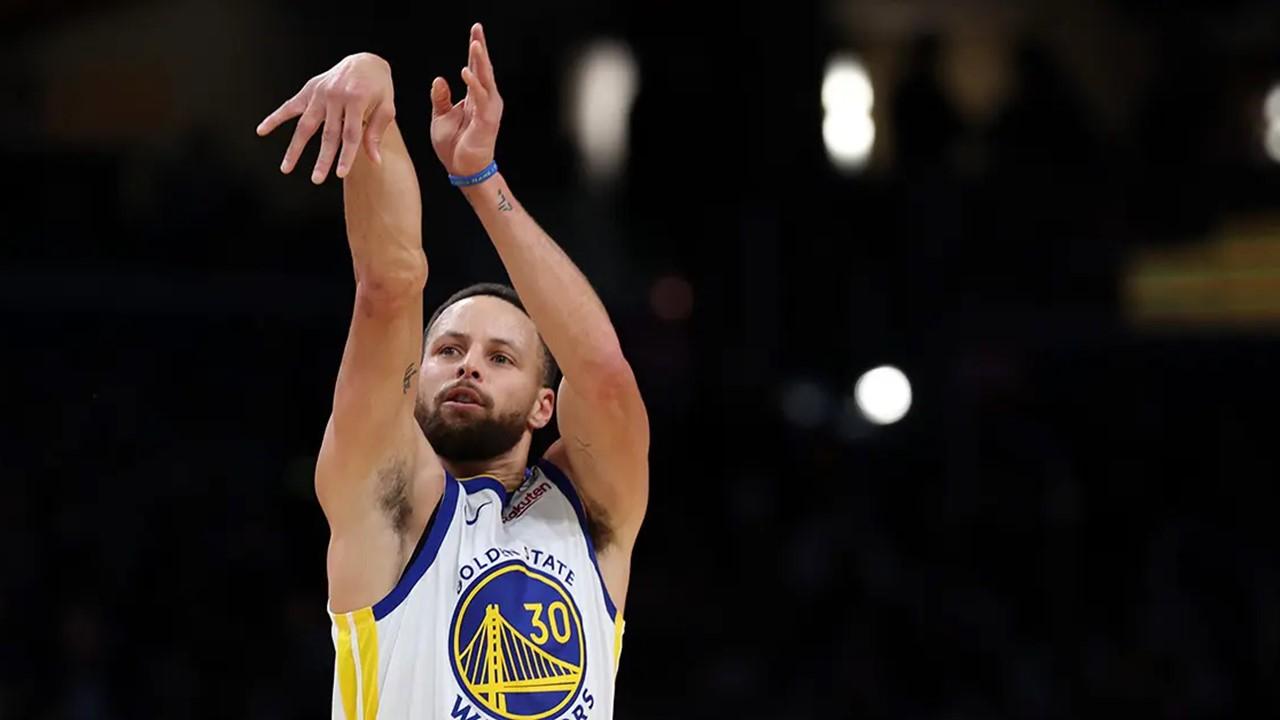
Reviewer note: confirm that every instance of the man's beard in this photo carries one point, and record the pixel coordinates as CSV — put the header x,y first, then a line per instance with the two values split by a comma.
x,y
471,440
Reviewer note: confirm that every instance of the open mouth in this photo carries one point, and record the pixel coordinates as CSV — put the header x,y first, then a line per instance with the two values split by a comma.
x,y
464,396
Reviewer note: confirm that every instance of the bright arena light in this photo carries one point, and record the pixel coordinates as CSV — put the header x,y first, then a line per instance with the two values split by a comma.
x,y
849,139
603,85
1271,113
1271,106
883,395
846,86
848,130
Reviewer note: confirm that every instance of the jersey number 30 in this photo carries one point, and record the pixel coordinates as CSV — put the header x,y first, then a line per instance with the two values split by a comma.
x,y
557,616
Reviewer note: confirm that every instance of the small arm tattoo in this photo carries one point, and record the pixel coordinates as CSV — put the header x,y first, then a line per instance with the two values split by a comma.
x,y
503,203
408,376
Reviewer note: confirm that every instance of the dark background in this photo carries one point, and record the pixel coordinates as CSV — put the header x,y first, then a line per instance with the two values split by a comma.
x,y
1075,517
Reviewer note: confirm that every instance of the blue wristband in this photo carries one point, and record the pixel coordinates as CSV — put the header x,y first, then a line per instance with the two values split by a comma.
x,y
465,180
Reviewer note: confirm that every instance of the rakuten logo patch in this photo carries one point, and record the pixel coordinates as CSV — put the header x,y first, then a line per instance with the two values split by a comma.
x,y
527,501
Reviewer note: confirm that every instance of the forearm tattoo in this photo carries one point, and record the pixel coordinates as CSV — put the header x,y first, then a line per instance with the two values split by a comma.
x,y
408,377
503,204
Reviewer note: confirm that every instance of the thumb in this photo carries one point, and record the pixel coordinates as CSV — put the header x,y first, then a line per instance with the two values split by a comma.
x,y
441,98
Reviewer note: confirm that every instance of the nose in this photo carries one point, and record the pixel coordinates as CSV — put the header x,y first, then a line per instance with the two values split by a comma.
x,y
467,369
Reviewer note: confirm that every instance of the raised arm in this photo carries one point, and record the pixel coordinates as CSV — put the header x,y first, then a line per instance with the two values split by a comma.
x,y
603,424
376,477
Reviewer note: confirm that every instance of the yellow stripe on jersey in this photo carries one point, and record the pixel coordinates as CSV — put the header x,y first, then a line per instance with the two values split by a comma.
x,y
346,666
618,626
367,641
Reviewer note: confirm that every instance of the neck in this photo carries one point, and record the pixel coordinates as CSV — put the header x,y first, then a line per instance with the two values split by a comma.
x,y
508,468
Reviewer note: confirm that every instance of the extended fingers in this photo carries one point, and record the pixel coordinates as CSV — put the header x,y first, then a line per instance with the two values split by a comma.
x,y
483,65
291,108
352,134
307,126
329,141
488,104
476,91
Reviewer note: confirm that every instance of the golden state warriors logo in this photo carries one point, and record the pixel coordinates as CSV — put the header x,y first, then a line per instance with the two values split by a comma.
x,y
517,643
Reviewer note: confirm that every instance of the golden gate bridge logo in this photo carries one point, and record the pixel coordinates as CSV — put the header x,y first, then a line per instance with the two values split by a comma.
x,y
517,643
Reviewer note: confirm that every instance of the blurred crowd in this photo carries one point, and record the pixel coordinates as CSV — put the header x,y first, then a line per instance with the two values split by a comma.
x,y
1073,519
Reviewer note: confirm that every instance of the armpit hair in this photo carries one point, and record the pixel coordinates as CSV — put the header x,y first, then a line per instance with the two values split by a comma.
x,y
393,494
598,526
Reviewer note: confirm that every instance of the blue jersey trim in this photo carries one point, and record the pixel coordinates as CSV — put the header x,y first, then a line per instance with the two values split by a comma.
x,y
435,536
562,482
475,484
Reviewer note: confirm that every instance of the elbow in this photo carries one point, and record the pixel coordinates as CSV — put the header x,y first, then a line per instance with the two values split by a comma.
x,y
610,376
615,395
392,285
616,372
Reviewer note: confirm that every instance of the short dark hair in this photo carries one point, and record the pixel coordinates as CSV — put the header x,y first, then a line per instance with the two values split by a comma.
x,y
550,371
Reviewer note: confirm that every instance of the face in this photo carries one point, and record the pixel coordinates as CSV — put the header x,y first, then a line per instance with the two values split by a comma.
x,y
480,389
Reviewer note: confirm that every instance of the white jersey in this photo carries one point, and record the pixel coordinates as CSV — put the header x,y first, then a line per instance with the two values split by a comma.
x,y
502,613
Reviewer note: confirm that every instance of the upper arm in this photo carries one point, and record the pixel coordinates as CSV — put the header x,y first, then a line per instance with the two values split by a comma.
x,y
604,447
371,430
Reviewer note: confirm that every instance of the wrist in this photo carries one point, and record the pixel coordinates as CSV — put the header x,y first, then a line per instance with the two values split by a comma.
x,y
471,192
492,195
371,58
473,179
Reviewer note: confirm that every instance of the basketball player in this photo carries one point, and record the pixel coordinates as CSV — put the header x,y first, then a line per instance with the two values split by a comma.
x,y
465,582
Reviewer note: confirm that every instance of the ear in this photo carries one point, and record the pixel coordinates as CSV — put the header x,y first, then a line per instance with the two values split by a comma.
x,y
544,406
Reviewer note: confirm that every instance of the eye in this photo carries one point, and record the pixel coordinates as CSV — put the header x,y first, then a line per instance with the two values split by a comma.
x,y
447,351
502,359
